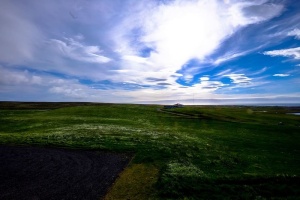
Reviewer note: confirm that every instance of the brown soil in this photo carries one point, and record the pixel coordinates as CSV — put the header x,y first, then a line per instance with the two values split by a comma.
x,y
34,173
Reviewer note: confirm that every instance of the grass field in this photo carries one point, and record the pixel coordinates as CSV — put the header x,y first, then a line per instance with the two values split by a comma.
x,y
208,152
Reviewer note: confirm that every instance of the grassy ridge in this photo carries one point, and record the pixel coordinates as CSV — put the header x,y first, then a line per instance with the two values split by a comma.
x,y
234,152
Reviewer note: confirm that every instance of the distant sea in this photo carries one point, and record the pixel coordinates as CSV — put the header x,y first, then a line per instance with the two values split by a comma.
x,y
293,114
273,104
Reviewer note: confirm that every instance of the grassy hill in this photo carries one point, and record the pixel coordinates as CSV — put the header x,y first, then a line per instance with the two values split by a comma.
x,y
195,152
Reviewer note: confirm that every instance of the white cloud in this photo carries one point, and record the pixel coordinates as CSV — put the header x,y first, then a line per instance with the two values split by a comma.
x,y
178,31
73,90
239,78
204,78
188,77
18,77
181,94
136,59
207,85
281,75
188,73
292,52
23,85
75,50
295,32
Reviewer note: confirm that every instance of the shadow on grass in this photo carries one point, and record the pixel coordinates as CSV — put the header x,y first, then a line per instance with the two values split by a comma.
x,y
279,187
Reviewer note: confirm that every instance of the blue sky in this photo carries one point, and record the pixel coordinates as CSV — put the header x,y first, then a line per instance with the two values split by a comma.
x,y
150,51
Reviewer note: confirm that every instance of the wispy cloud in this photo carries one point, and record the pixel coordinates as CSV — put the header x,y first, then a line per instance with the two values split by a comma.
x,y
228,57
259,72
295,33
239,78
291,52
281,75
226,71
73,49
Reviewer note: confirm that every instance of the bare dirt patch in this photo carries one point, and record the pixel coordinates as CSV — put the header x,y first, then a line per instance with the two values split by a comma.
x,y
47,173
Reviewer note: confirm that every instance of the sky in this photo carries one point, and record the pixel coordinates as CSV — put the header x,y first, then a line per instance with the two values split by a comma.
x,y
150,51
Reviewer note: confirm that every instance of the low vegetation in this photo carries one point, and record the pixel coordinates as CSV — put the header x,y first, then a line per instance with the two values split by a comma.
x,y
136,182
195,152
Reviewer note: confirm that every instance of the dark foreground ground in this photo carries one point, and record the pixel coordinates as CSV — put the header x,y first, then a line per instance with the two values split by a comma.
x,y
44,173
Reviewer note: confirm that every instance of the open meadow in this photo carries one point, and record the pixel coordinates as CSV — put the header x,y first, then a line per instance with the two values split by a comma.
x,y
194,152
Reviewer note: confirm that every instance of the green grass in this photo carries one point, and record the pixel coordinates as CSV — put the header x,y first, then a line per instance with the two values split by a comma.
x,y
212,152
130,185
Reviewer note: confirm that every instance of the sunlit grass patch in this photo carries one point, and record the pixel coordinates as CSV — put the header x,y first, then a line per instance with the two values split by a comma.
x,y
136,182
